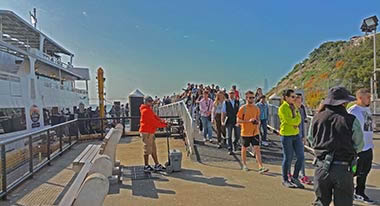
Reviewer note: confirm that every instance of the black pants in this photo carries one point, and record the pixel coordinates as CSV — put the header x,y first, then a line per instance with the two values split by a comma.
x,y
337,182
363,168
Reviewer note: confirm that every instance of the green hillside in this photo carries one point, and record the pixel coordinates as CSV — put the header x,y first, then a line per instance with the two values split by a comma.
x,y
347,63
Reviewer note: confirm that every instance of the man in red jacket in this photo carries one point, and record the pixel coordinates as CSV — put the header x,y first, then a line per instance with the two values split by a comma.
x,y
149,123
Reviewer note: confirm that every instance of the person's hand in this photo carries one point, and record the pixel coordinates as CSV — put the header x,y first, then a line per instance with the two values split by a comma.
x,y
237,124
252,120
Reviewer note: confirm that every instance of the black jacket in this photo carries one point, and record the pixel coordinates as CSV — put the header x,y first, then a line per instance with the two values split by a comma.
x,y
332,131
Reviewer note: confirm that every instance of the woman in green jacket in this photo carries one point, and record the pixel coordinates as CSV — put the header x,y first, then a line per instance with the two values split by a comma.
x,y
290,119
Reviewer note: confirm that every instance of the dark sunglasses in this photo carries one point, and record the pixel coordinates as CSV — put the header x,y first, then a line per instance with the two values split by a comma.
x,y
251,97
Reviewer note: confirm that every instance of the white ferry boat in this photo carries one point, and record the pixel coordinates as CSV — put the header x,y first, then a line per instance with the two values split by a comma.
x,y
35,83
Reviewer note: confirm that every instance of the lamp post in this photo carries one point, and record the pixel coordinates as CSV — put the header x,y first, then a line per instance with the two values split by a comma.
x,y
369,25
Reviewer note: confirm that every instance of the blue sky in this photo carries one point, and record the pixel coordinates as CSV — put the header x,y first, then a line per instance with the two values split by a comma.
x,y
159,46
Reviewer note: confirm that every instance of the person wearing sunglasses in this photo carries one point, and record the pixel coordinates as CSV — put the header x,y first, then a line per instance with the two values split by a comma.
x,y
248,118
290,119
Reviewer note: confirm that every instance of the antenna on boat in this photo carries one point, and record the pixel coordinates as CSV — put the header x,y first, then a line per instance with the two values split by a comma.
x,y
33,17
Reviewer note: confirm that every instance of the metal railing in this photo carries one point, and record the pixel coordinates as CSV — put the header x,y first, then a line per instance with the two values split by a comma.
x,y
179,109
274,123
34,151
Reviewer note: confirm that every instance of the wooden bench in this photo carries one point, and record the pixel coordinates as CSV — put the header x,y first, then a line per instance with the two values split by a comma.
x,y
95,167
78,194
87,155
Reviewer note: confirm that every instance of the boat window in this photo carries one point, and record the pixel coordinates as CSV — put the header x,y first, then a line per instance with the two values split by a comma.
x,y
12,120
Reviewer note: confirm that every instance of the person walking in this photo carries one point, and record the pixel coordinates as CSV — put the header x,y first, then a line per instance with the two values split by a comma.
x,y
237,94
248,117
290,119
336,137
205,108
149,122
229,112
264,113
258,94
299,99
362,113
217,117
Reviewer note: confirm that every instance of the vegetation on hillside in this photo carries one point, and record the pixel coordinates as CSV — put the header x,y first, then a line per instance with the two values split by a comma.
x,y
343,63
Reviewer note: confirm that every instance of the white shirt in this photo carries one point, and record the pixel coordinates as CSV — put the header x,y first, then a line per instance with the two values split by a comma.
x,y
363,114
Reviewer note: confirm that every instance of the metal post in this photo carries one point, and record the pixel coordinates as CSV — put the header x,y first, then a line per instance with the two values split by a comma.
x,y
60,140
69,130
101,128
3,170
30,154
48,146
1,28
123,119
77,129
374,73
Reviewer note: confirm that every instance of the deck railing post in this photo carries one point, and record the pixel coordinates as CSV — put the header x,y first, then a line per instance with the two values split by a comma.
x,y
48,146
31,154
3,171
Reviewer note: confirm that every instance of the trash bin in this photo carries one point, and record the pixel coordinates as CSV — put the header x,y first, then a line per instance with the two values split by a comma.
x,y
136,99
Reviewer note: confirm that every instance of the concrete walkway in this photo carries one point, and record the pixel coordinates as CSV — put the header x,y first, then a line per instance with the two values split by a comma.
x,y
216,180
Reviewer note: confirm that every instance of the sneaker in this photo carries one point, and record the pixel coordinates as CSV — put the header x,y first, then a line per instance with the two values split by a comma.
x,y
148,168
263,169
288,184
245,168
264,143
219,146
158,167
230,152
363,198
297,183
204,139
306,180
289,177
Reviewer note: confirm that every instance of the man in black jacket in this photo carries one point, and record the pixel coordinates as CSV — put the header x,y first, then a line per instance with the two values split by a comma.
x,y
229,112
336,137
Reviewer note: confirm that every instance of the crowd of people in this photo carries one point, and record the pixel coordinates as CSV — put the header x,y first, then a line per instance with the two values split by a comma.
x,y
341,137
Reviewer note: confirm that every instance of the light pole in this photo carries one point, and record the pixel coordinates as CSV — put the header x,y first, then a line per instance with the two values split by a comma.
x,y
369,25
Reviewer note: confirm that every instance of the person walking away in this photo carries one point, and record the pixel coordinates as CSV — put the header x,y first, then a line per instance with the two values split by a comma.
x,y
248,117
229,112
149,122
336,137
299,99
217,117
264,113
290,119
362,113
205,107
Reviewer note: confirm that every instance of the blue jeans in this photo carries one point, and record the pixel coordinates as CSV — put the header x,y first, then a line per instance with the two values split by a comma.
x,y
290,145
263,129
207,127
232,143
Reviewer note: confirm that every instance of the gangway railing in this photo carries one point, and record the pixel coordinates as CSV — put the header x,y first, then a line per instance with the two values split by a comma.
x,y
274,123
179,109
36,150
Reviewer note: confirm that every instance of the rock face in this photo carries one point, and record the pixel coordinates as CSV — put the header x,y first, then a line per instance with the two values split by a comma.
x,y
338,63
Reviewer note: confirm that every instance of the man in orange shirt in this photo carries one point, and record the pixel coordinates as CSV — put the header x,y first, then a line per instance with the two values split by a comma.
x,y
149,122
249,119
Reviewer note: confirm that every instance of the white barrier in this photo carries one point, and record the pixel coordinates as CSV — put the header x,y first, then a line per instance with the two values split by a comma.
x,y
179,109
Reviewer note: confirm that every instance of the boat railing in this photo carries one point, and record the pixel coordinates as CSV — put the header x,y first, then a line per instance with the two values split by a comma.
x,y
34,151
56,61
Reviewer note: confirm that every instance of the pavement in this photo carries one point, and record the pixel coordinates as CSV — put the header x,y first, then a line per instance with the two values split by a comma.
x,y
215,179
